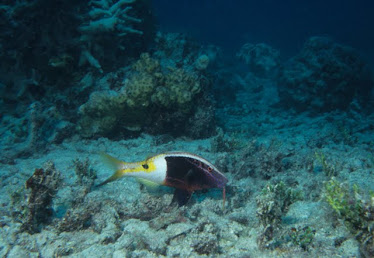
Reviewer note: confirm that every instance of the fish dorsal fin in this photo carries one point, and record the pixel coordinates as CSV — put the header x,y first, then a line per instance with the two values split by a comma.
x,y
149,156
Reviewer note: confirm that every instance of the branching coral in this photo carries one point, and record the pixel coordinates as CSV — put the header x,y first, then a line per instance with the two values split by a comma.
x,y
106,18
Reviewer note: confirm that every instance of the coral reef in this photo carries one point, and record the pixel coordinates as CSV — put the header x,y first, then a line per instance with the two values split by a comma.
x,y
44,48
86,175
324,76
303,237
262,59
79,217
224,143
107,30
274,201
264,161
54,35
127,219
34,208
81,77
202,62
151,98
176,49
34,32
327,168
272,204
356,209
37,128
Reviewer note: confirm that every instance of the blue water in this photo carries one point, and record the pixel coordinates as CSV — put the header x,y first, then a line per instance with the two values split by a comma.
x,y
286,24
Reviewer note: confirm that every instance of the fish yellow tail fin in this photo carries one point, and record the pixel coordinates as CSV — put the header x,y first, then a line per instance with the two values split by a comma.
x,y
115,164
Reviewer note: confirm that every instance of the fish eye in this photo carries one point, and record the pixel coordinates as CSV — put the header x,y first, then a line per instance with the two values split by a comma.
x,y
210,169
145,166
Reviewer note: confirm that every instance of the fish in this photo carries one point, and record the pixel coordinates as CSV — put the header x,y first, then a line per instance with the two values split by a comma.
x,y
186,172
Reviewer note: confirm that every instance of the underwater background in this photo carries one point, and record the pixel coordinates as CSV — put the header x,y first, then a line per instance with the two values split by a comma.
x,y
279,96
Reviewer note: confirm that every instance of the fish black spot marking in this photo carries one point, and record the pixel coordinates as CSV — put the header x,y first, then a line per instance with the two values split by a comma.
x,y
145,166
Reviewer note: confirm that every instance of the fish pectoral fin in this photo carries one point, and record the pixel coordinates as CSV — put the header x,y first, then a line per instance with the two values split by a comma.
x,y
181,196
147,183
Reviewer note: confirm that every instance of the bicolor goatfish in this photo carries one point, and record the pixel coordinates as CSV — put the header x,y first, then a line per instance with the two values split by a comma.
x,y
186,172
